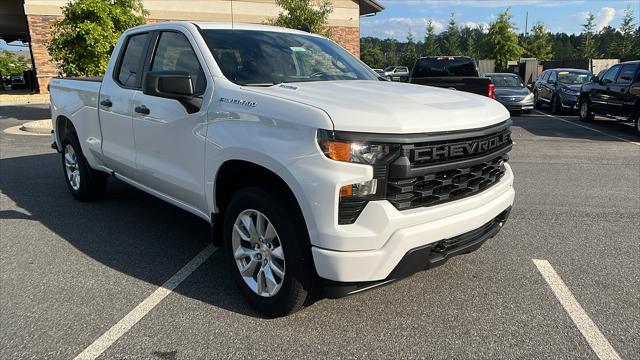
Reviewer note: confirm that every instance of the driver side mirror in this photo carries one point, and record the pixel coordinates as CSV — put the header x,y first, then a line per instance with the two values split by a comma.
x,y
595,79
530,86
172,85
168,84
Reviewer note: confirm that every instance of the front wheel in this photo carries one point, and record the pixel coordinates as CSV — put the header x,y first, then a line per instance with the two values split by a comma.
x,y
269,251
536,100
555,104
84,183
586,115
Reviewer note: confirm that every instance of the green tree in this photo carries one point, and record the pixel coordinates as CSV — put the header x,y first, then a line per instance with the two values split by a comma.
x,y
539,44
626,44
431,47
588,46
391,55
12,64
372,54
82,41
313,13
409,54
503,41
607,43
452,37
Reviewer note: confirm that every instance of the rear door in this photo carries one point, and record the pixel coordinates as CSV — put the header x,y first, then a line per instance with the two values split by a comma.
x,y
116,104
170,140
620,100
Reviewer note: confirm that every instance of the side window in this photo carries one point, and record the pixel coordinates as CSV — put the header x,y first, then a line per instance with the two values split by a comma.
x,y
545,76
174,53
626,74
610,75
553,76
131,60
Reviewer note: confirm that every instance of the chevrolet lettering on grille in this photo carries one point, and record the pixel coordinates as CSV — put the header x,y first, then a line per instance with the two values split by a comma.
x,y
449,151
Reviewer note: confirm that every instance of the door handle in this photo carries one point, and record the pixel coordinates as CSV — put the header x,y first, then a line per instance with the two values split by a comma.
x,y
142,110
106,103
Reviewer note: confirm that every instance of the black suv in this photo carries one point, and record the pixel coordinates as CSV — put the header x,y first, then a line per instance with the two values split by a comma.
x,y
615,94
560,88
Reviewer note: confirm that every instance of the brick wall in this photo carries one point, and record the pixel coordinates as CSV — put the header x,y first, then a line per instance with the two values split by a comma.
x,y
40,30
347,37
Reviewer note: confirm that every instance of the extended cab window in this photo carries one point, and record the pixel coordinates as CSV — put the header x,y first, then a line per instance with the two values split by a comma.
x,y
265,58
610,75
626,74
131,61
174,53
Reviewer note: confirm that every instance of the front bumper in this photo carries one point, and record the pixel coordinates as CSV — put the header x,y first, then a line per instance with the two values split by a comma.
x,y
425,257
395,233
517,106
569,101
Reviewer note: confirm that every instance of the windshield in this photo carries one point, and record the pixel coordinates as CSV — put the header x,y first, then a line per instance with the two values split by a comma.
x,y
265,58
506,81
572,78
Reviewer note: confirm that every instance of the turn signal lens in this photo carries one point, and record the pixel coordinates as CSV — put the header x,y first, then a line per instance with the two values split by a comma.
x,y
336,150
346,191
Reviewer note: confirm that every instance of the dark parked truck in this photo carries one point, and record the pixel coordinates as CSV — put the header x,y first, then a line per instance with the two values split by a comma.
x,y
615,94
451,72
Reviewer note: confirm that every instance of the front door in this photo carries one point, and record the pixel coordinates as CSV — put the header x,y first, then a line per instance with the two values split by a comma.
x,y
619,91
602,94
170,140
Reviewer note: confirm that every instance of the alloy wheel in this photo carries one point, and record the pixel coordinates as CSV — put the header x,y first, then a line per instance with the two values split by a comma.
x,y
71,167
258,253
584,110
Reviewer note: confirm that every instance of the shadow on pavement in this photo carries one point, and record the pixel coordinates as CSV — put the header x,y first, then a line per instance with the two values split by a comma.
x,y
129,231
25,112
543,125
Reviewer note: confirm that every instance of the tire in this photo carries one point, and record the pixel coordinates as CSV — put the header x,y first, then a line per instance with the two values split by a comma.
x,y
584,111
293,259
555,106
84,183
637,123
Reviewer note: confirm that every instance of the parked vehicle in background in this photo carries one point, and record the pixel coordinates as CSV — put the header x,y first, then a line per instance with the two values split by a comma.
x,y
616,94
451,72
380,72
396,73
314,175
560,88
511,92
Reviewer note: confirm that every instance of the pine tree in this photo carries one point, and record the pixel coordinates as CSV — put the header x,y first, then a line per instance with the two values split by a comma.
x,y
372,54
503,41
625,47
409,54
431,47
452,38
588,46
539,45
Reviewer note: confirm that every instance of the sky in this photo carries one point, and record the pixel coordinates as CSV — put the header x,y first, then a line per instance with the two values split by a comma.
x,y
401,16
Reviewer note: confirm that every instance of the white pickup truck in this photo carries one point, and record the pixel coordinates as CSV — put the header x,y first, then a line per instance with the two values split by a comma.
x,y
316,177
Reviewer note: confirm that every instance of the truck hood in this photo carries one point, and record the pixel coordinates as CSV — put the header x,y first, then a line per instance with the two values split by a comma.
x,y
387,107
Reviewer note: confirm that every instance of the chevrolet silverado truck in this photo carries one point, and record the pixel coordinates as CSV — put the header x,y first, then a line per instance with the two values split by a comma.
x,y
451,72
316,177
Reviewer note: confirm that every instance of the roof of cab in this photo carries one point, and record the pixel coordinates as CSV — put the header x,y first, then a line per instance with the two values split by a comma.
x,y
227,26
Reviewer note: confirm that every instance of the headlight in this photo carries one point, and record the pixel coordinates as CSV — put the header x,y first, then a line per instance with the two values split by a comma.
x,y
353,197
528,97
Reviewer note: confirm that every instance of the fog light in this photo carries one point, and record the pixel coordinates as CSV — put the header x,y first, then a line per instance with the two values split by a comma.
x,y
360,189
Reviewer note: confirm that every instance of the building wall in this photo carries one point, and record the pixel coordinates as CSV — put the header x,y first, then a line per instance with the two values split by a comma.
x,y
344,22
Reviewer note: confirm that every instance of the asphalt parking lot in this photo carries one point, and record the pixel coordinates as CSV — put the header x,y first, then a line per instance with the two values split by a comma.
x,y
70,271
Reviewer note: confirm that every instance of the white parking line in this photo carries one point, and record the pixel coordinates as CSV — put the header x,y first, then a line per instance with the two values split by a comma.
x,y
589,128
112,335
589,330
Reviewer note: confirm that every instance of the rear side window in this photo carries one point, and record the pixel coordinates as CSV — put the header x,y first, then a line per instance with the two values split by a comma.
x,y
610,75
553,76
445,66
174,53
131,61
626,74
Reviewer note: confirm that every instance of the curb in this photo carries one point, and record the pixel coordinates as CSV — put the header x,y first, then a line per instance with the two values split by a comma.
x,y
37,126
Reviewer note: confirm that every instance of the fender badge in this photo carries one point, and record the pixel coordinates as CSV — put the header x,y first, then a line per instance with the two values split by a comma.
x,y
238,102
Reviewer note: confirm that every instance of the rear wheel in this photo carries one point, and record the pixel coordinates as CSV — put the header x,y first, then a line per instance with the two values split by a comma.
x,y
84,183
637,123
586,115
269,250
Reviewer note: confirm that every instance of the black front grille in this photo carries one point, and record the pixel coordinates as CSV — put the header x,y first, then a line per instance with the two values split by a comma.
x,y
443,186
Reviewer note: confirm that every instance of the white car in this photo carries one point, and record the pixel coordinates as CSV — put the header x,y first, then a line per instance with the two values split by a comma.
x,y
313,174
